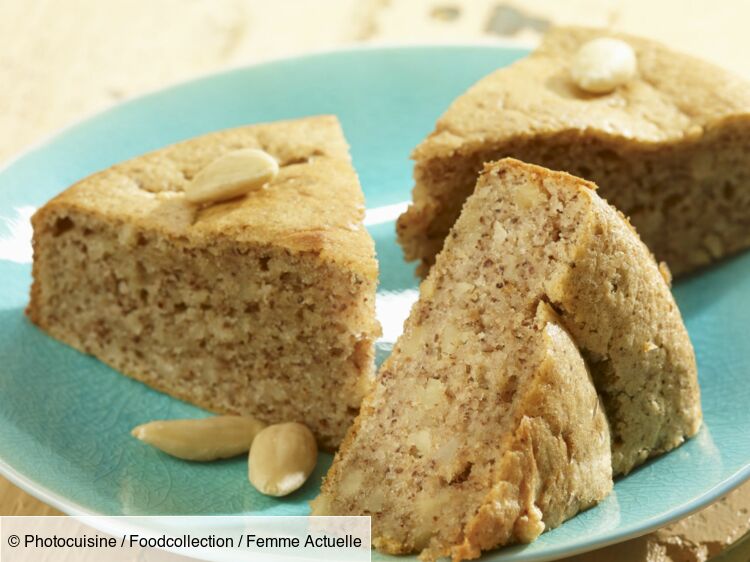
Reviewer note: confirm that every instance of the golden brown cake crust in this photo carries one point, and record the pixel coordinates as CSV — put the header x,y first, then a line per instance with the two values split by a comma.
x,y
675,97
669,148
313,205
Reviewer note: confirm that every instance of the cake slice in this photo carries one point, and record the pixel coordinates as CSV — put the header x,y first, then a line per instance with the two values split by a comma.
x,y
670,148
610,295
261,305
484,427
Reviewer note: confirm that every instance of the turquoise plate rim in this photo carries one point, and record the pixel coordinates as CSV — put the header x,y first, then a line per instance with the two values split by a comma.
x,y
552,552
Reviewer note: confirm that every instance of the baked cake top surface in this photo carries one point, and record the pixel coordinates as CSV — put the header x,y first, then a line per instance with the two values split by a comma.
x,y
673,97
314,204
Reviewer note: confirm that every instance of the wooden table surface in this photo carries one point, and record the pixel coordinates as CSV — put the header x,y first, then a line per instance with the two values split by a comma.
x,y
66,59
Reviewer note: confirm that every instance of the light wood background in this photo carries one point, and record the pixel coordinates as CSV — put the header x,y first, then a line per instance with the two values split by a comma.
x,y
62,60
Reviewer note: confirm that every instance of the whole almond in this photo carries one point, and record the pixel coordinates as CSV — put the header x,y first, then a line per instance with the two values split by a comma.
x,y
603,64
231,175
281,458
204,439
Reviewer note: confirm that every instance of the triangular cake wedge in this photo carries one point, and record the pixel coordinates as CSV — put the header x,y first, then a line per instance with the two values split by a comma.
x,y
668,149
611,296
261,305
484,427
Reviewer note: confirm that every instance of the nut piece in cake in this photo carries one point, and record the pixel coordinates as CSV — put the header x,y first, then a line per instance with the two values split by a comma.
x,y
669,146
262,305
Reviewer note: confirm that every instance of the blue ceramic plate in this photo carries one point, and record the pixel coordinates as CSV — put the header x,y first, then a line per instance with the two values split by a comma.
x,y
65,418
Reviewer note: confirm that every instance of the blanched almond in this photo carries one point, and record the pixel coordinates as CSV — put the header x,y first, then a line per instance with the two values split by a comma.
x,y
603,64
204,439
232,175
281,458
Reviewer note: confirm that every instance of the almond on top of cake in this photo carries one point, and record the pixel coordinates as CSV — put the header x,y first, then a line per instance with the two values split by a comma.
x,y
664,135
262,304
484,427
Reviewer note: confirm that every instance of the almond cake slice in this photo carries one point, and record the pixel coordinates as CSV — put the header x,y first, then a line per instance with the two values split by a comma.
x,y
261,305
670,148
483,427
